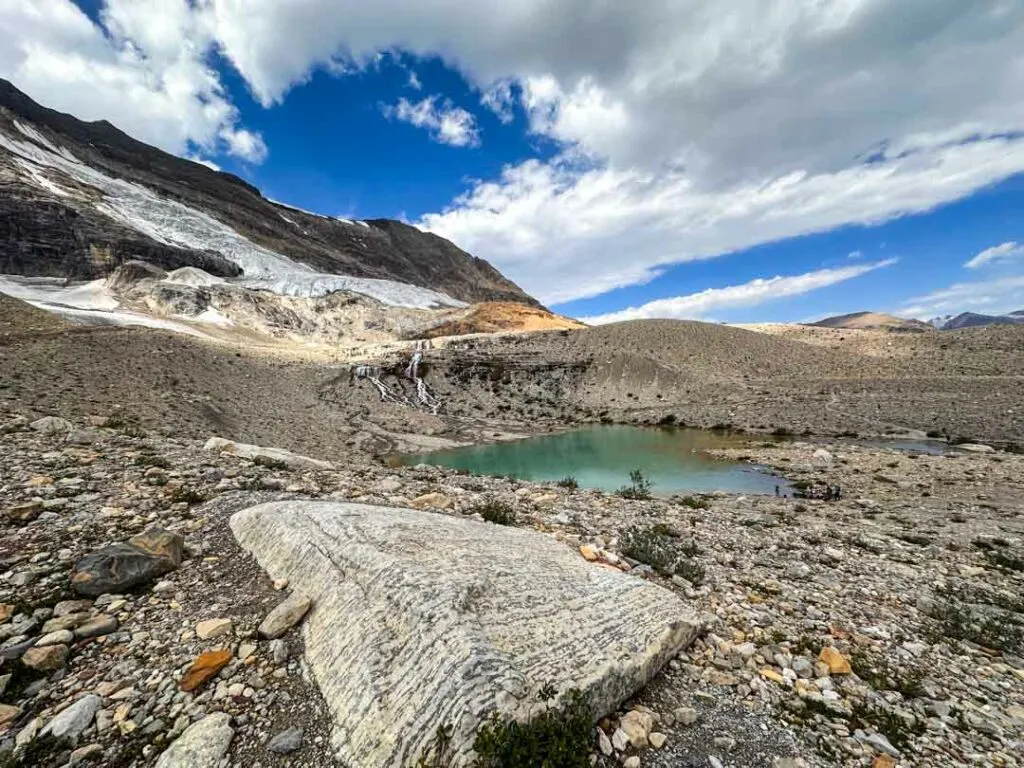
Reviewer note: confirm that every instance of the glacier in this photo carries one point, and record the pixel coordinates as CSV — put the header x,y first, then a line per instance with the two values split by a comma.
x,y
175,224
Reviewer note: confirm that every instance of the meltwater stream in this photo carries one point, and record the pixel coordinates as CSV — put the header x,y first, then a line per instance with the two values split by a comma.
x,y
603,456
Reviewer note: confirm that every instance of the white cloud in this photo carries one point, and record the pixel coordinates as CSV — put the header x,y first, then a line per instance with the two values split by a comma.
x,y
203,161
144,70
446,123
1004,252
565,233
414,82
754,293
687,129
986,297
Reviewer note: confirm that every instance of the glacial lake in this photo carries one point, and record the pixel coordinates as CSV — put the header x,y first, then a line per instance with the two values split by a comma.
x,y
602,457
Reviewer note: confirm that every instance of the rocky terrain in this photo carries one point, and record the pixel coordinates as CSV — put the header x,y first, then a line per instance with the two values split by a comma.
x,y
879,321
976,320
883,629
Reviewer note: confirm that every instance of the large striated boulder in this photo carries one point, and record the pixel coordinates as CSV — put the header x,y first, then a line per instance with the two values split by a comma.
x,y
421,620
259,453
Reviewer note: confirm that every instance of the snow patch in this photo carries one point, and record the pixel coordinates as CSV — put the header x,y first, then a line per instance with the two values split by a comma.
x,y
213,317
36,175
58,292
193,276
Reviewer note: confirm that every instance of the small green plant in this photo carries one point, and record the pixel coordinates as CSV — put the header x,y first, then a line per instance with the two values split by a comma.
x,y
695,502
897,730
152,460
186,495
639,486
667,421
880,674
782,432
497,512
269,462
1007,561
555,738
438,753
663,550
568,482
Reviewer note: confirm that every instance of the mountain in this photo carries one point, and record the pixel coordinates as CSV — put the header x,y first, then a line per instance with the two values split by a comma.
x,y
873,321
78,199
974,320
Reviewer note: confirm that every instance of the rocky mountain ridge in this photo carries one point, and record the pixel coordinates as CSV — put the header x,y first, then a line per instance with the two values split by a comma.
x,y
79,199
976,320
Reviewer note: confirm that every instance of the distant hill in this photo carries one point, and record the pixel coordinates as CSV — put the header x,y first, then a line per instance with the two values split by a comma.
x,y
878,321
974,320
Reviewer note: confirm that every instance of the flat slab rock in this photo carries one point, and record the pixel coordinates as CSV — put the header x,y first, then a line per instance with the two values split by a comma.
x,y
421,620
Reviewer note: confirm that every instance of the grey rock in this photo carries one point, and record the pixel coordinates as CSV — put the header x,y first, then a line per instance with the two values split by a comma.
x,y
466,624
120,567
287,741
285,616
70,722
52,425
101,625
202,745
256,452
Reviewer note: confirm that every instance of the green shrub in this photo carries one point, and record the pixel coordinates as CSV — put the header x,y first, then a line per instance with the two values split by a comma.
x,y
187,495
695,502
568,482
152,460
555,738
639,486
497,512
661,549
268,462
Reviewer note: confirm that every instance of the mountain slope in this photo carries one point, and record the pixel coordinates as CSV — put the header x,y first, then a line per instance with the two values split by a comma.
x,y
78,199
872,321
975,320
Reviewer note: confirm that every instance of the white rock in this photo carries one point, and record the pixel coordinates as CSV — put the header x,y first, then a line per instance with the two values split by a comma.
x,y
969,447
286,615
52,425
70,722
211,628
254,452
420,613
202,745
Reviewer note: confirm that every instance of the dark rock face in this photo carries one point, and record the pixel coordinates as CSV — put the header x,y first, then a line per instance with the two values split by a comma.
x,y
46,234
120,567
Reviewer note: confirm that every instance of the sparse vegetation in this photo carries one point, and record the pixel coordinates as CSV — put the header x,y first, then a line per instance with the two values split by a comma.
x,y
152,460
899,731
186,495
554,738
269,462
568,482
663,550
695,502
497,512
639,486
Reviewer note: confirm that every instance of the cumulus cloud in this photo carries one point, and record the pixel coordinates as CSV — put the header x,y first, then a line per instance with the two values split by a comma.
x,y
983,296
1004,252
566,234
686,129
756,292
446,123
414,82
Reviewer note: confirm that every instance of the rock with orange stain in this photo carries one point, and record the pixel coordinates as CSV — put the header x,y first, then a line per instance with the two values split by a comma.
x,y
883,761
588,552
837,663
203,668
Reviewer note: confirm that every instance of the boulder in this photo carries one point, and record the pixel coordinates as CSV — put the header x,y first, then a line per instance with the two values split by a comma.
x,y
425,620
255,453
285,616
70,722
203,668
47,658
976,448
120,567
52,425
202,745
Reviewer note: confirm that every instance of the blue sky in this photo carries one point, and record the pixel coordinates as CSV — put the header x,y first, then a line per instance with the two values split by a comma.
x,y
617,163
